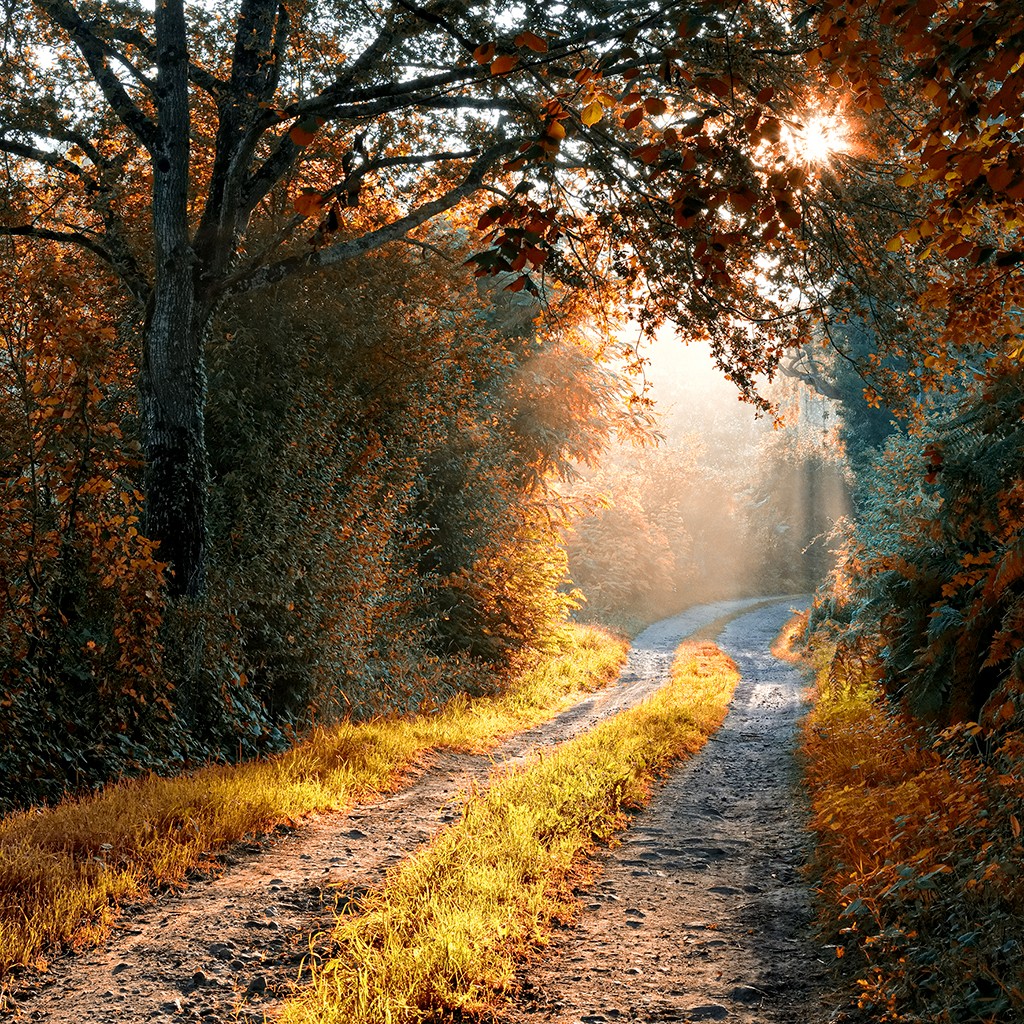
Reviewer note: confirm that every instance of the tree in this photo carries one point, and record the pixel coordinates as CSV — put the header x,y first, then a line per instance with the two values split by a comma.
x,y
956,100
607,137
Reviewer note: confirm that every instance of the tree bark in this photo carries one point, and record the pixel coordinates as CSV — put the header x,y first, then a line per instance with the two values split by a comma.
x,y
173,380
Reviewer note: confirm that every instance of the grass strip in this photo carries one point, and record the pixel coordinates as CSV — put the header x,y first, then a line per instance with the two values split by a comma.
x,y
444,932
64,870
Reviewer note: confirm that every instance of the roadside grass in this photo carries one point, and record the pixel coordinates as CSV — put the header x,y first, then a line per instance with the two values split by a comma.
x,y
443,934
919,855
65,870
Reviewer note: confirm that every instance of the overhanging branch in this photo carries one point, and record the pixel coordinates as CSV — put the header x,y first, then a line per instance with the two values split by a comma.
x,y
320,259
94,50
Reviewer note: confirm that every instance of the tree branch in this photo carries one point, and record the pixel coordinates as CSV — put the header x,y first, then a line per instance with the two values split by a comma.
x,y
129,273
318,259
434,19
41,156
71,237
94,50
199,77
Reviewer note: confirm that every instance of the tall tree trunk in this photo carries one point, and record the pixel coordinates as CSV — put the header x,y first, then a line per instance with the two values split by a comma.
x,y
173,398
173,379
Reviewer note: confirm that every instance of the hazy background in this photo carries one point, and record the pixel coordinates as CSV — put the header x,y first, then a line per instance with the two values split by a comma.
x,y
725,505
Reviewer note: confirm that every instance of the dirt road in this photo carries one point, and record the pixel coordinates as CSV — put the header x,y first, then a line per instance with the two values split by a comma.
x,y
231,947
702,912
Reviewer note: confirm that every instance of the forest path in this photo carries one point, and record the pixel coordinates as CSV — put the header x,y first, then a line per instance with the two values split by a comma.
x,y
702,913
231,947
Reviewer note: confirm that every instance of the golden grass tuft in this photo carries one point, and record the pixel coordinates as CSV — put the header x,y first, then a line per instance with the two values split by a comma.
x,y
789,644
445,931
65,870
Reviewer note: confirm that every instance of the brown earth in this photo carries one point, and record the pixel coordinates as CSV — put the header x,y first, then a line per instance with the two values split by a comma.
x,y
699,915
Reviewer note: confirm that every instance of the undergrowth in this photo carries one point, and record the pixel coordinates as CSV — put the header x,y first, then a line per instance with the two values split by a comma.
x,y
65,870
443,934
920,855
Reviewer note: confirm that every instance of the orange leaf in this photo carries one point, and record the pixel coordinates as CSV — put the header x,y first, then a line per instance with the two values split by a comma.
x,y
308,202
715,86
592,113
789,215
531,42
771,129
655,106
301,135
1015,190
517,285
555,130
633,118
999,177
649,153
742,201
504,64
484,53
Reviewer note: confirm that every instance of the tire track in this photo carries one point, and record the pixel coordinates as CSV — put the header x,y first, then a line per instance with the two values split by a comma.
x,y
702,913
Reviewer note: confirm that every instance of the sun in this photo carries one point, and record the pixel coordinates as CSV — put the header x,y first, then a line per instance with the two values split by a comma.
x,y
818,139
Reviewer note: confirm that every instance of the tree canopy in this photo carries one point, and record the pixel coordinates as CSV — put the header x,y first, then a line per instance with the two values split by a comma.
x,y
170,173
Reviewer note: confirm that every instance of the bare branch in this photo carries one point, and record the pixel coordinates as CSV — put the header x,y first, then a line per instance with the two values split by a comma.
x,y
94,50
199,76
424,14
42,156
78,238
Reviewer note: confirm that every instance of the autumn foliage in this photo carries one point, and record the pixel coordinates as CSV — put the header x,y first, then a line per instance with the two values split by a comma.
x,y
81,602
380,512
919,853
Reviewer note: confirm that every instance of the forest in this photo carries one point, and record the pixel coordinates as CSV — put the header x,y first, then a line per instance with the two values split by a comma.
x,y
349,363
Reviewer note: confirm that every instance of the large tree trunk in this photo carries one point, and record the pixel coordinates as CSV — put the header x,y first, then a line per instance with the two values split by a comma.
x,y
173,380
173,400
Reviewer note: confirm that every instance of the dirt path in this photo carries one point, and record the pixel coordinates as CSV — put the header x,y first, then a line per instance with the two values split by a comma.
x,y
702,914
230,947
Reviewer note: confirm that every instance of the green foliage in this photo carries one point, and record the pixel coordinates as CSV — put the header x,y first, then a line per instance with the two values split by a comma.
x,y
930,582
853,367
381,453
82,689
383,527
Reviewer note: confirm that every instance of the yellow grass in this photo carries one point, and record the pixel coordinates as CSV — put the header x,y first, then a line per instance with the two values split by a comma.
x,y
444,932
64,870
